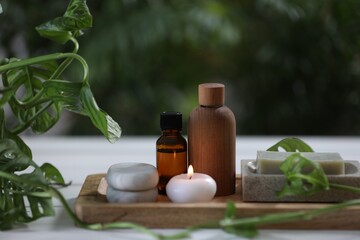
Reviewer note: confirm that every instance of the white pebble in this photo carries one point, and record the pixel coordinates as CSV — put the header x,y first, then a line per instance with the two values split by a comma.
x,y
132,176
118,196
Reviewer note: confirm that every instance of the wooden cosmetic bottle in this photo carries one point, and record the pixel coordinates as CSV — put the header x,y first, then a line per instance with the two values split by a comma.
x,y
212,138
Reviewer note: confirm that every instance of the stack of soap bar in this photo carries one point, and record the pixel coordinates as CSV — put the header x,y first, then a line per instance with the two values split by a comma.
x,y
132,182
269,162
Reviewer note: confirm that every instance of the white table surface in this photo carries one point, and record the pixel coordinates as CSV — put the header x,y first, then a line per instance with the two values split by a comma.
x,y
77,157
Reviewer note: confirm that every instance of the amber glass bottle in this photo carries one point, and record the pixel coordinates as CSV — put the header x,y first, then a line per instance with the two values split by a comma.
x,y
171,149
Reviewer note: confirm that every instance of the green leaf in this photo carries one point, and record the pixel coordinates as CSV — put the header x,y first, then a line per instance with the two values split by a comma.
x,y
110,129
66,93
248,231
78,15
12,157
7,92
291,145
77,97
303,176
52,174
7,218
47,119
55,30
2,123
29,187
20,144
15,156
31,76
61,29
12,80
32,108
230,210
40,204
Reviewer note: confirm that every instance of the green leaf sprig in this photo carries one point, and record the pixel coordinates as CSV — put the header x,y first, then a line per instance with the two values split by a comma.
x,y
46,92
36,92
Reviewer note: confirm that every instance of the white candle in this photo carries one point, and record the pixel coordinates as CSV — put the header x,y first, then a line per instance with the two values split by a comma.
x,y
191,187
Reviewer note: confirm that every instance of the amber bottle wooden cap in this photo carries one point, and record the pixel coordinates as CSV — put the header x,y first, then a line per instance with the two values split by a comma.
x,y
211,94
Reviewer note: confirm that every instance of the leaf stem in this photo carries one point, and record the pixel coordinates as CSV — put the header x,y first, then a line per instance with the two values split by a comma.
x,y
2,124
66,62
49,57
287,217
36,100
99,226
345,187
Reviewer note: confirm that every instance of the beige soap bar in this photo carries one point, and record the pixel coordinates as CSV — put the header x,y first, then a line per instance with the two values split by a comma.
x,y
269,162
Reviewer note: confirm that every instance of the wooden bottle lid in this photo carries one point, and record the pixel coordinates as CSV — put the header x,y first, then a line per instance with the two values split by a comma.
x,y
211,94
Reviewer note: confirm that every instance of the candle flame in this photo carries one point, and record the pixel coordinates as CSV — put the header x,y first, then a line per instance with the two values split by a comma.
x,y
190,171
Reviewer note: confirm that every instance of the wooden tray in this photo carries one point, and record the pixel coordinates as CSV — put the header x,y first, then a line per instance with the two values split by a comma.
x,y
91,208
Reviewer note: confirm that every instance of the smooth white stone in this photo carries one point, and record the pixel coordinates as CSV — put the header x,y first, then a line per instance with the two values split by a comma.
x,y
118,196
200,188
132,176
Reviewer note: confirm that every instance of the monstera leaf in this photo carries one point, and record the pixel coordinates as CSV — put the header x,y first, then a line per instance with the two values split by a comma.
x,y
66,93
40,116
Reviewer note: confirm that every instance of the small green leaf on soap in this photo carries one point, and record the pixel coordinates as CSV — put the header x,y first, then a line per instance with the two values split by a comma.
x,y
291,144
303,176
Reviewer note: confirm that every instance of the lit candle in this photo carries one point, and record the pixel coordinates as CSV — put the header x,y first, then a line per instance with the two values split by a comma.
x,y
191,187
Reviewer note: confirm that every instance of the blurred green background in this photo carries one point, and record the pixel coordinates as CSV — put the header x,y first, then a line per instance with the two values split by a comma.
x,y
290,66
